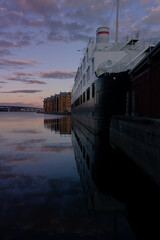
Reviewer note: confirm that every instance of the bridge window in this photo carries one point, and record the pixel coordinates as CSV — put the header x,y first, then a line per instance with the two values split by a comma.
x,y
88,94
93,90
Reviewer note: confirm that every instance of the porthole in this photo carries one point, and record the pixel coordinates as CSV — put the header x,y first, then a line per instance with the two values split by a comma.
x,y
109,62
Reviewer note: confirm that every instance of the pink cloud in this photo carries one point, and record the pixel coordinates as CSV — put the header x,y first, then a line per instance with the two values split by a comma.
x,y
154,17
19,74
7,44
57,74
23,77
28,81
38,6
21,104
4,52
22,91
11,63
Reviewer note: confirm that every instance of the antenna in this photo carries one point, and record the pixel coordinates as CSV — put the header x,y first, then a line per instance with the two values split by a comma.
x,y
137,34
117,21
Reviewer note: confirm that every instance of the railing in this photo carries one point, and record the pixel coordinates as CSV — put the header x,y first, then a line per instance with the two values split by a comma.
x,y
131,59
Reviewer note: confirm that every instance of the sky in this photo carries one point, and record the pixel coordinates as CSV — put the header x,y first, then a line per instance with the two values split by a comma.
x,y
42,41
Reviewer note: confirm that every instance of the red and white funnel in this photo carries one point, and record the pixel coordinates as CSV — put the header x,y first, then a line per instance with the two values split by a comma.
x,y
102,35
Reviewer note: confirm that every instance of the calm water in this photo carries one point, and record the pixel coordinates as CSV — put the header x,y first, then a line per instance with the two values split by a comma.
x,y
58,181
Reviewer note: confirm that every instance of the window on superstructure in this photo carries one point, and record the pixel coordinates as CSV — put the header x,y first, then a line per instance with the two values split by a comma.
x,y
88,73
81,69
109,62
93,90
81,99
78,74
84,63
87,54
77,102
81,85
84,97
92,65
98,97
88,94
84,80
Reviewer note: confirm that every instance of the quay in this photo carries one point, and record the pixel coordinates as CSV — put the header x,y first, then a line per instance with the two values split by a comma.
x,y
137,133
139,139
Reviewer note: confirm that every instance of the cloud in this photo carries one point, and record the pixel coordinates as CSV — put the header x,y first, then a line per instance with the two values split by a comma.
x,y
27,81
16,13
4,52
85,4
32,22
7,44
70,31
17,39
65,20
86,10
20,104
18,63
22,91
153,18
55,27
19,74
19,36
145,2
24,77
57,74
2,82
38,6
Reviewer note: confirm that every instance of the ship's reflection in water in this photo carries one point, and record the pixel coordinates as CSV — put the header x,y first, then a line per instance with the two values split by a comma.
x,y
94,169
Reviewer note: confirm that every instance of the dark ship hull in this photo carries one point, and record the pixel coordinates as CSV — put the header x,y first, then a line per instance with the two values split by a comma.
x,y
107,98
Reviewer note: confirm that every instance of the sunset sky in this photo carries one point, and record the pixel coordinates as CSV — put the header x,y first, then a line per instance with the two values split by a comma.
x,y
40,39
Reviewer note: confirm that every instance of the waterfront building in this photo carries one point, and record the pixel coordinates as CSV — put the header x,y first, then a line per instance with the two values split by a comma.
x,y
52,103
59,103
56,103
62,101
68,102
45,104
65,102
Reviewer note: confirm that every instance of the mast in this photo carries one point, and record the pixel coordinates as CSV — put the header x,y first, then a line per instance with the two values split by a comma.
x,y
117,21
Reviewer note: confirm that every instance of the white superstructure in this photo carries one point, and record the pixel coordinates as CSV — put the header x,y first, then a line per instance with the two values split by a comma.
x,y
103,56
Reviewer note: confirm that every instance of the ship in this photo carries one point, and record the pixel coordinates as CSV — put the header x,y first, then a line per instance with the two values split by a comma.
x,y
102,80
